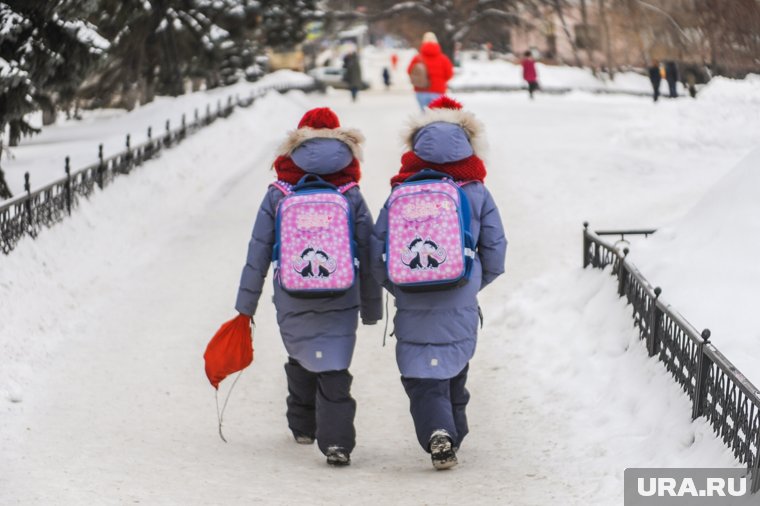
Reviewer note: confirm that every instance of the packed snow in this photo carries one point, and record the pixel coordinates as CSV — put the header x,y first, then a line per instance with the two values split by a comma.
x,y
104,317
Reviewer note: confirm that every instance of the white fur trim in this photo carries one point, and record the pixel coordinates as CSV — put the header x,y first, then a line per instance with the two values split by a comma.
x,y
472,126
350,136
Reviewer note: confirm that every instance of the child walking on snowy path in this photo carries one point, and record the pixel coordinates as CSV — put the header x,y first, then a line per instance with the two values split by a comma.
x,y
317,329
436,329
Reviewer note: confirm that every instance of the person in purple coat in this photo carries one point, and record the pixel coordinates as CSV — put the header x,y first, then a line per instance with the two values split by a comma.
x,y
436,331
319,334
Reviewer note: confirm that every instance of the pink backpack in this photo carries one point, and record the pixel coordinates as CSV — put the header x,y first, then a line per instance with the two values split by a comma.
x,y
429,245
314,252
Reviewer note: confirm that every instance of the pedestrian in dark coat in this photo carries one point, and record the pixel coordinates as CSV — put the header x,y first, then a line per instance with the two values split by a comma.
x,y
655,77
319,333
436,331
353,73
671,76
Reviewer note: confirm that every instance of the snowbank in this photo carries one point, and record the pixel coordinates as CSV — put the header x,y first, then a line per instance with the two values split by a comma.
x,y
484,74
721,89
707,263
285,77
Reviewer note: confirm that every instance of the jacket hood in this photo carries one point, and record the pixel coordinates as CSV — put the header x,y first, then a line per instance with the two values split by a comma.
x,y
464,121
430,49
322,155
442,142
351,137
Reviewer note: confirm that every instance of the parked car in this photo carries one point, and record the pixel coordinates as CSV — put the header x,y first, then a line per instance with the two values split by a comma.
x,y
332,76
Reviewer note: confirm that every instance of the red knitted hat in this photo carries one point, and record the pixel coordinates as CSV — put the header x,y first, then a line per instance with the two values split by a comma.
x,y
321,117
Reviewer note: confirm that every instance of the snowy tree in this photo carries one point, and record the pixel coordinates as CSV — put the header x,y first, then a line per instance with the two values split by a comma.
x,y
15,100
283,21
157,44
234,45
15,86
53,45
45,51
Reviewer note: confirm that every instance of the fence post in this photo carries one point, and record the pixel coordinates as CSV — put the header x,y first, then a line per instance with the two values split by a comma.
x,y
218,108
168,136
67,168
183,128
622,273
101,166
208,114
755,487
195,122
586,260
130,156
703,367
653,337
28,205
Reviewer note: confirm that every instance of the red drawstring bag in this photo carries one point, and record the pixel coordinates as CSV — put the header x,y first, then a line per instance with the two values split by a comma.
x,y
230,350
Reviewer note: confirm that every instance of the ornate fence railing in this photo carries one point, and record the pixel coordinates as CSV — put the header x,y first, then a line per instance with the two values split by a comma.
x,y
717,389
27,213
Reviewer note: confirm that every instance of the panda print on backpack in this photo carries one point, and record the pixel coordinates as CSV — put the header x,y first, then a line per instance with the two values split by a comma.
x,y
423,254
313,262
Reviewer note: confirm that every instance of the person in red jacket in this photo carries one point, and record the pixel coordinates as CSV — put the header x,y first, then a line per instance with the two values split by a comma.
x,y
529,72
429,71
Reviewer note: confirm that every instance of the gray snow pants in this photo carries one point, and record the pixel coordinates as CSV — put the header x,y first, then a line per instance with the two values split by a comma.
x,y
438,405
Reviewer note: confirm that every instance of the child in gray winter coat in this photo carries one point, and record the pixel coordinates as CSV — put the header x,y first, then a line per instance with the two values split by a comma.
x,y
319,333
436,331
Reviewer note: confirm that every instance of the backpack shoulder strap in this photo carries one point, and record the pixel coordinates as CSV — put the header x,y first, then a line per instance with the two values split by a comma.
x,y
285,188
347,186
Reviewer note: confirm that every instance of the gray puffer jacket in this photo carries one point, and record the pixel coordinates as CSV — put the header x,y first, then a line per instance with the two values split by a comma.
x,y
318,332
437,331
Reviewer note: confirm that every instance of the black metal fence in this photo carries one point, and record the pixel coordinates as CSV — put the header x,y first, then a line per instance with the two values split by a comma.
x,y
27,213
717,389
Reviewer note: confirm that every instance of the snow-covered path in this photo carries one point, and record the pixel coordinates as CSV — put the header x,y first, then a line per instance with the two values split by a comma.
x,y
105,317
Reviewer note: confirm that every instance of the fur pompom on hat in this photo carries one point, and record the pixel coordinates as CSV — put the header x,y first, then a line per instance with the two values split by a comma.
x,y
444,102
322,123
321,117
446,109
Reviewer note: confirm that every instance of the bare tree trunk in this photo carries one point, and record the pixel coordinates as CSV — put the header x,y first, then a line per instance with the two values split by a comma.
x,y
129,96
14,133
558,9
635,16
49,115
5,191
607,43
589,50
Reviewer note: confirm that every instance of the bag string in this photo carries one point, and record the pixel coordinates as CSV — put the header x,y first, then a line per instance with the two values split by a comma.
x,y
387,320
220,414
